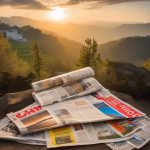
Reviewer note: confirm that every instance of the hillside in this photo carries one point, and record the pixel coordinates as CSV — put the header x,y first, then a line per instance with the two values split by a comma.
x,y
134,29
72,31
102,32
60,55
53,47
132,49
125,77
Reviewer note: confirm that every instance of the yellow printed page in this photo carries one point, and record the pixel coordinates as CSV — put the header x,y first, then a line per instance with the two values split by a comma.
x,y
61,136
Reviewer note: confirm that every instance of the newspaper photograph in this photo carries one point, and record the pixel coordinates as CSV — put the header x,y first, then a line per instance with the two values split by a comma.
x,y
83,134
100,106
140,138
121,145
93,133
9,131
63,79
76,89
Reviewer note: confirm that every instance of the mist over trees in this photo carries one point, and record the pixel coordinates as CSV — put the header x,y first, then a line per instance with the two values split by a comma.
x,y
9,61
23,63
119,76
14,72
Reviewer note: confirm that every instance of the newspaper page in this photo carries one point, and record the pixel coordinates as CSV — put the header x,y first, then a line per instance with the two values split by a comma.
x,y
92,133
32,142
63,79
9,131
100,106
76,89
122,145
139,139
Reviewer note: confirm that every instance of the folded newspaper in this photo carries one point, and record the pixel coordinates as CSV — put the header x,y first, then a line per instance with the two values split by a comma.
x,y
118,134
75,109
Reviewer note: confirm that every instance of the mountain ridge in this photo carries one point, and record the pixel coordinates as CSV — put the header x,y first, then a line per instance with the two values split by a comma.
x,y
77,32
131,49
53,47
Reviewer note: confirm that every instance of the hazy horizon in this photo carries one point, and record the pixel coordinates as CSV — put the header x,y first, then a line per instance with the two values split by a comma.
x,y
100,22
91,12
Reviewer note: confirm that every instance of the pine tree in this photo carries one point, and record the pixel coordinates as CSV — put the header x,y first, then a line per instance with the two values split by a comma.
x,y
37,60
89,55
4,53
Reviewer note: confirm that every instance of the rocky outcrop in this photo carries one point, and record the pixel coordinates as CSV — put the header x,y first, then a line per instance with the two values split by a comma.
x,y
15,101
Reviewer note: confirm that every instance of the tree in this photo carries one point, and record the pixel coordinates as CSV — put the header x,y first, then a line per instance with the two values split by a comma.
x,y
4,53
89,55
37,60
9,60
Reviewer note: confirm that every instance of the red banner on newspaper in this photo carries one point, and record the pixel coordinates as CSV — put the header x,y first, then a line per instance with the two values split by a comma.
x,y
28,112
120,106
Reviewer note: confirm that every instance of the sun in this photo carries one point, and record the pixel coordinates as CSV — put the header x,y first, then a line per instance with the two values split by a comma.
x,y
57,14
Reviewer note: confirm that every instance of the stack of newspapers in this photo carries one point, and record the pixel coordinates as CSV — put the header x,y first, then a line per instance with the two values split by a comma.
x,y
75,109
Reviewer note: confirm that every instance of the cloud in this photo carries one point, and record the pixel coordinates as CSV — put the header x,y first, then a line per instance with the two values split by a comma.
x,y
24,4
98,3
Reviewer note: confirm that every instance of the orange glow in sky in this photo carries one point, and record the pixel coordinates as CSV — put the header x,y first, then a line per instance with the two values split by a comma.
x,y
57,14
121,12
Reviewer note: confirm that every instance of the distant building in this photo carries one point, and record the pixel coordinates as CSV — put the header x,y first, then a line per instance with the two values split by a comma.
x,y
14,35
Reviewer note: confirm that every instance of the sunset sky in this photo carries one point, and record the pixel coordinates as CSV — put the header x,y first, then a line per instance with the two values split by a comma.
x,y
78,11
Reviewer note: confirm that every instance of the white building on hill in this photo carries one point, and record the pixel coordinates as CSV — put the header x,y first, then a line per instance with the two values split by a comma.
x,y
14,35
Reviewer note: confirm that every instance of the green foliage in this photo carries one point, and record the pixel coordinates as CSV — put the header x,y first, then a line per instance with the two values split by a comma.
x,y
14,72
4,53
22,63
124,77
9,61
89,55
23,50
53,50
37,60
